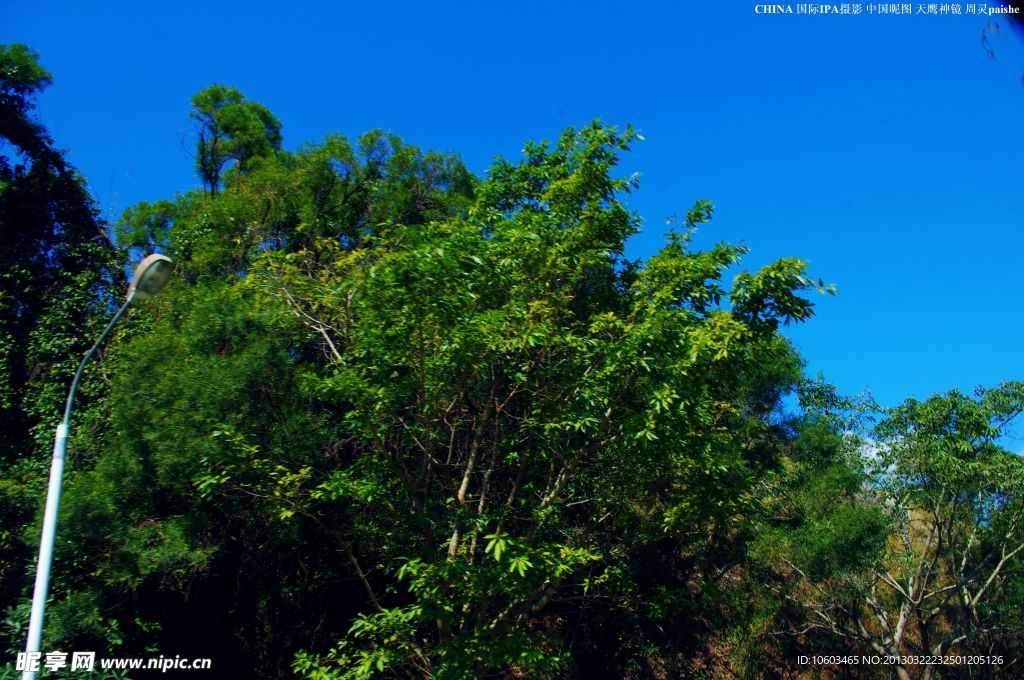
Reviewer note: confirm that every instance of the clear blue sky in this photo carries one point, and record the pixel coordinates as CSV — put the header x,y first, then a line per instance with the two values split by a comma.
x,y
886,150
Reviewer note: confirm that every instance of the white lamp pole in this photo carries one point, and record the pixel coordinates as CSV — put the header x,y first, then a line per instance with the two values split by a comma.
x,y
150,276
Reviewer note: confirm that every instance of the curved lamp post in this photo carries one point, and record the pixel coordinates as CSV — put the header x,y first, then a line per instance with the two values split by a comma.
x,y
150,276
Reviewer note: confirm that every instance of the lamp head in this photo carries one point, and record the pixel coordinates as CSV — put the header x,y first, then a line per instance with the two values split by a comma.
x,y
150,276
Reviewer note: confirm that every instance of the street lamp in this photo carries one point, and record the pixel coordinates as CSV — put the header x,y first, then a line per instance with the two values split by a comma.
x,y
150,276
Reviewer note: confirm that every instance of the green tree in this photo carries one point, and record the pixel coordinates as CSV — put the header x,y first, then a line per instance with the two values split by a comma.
x,y
211,382
54,248
415,422
57,267
230,129
525,410
912,543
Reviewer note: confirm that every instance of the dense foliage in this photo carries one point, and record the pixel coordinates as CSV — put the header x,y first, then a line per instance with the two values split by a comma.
x,y
394,420
56,266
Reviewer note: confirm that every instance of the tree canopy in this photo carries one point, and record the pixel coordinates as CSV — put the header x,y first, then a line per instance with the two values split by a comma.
x,y
391,419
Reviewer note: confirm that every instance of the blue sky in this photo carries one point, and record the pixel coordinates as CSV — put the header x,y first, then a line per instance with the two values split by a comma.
x,y
887,150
